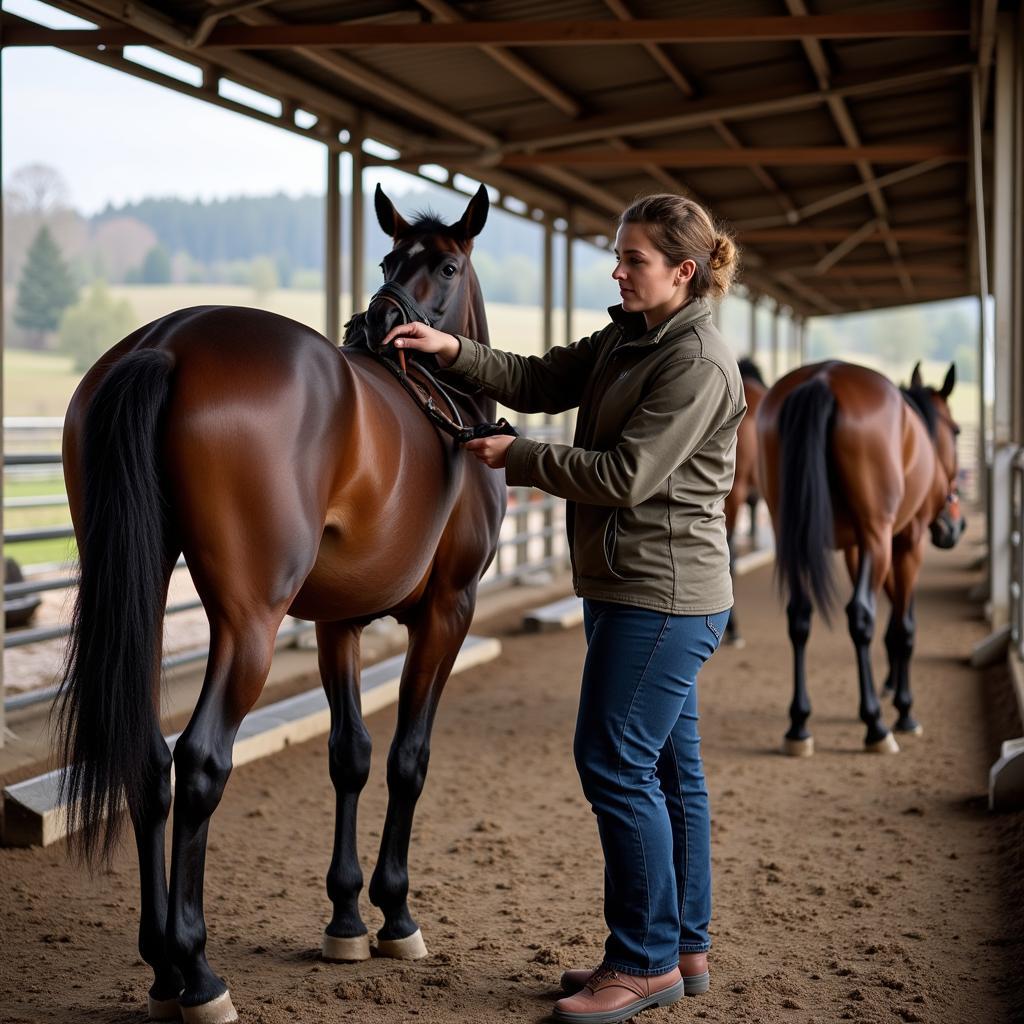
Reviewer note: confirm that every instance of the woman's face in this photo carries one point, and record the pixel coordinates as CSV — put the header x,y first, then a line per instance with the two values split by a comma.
x,y
647,282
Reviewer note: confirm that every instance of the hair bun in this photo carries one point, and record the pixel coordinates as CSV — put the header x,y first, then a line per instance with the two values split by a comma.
x,y
723,252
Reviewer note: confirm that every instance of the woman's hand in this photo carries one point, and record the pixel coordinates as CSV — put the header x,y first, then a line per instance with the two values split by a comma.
x,y
491,450
425,339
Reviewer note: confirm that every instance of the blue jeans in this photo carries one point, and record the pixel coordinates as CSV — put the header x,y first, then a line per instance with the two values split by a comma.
x,y
638,755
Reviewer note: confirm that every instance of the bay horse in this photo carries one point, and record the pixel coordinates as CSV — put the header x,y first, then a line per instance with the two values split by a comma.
x,y
746,488
297,478
851,462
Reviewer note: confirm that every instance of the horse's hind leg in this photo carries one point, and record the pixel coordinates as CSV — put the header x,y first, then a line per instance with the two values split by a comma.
x,y
798,741
899,637
435,636
349,749
149,826
871,568
241,647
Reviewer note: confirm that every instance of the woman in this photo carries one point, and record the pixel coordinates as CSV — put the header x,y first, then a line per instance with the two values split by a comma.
x,y
660,399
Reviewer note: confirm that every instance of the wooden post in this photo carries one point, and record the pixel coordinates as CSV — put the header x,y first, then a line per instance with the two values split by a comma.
x,y
358,226
332,247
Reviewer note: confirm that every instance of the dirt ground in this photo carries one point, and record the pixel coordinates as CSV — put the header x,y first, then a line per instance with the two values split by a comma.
x,y
848,886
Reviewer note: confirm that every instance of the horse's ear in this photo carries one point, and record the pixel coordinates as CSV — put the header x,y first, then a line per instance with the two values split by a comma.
x,y
915,377
950,382
475,217
390,220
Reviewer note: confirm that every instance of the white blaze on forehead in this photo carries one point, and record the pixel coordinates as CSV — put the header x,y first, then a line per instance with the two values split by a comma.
x,y
415,249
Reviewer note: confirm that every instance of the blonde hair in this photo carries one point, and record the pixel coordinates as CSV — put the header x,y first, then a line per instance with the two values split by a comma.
x,y
683,230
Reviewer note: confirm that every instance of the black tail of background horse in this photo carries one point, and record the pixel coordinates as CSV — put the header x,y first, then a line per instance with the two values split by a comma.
x,y
805,523
106,709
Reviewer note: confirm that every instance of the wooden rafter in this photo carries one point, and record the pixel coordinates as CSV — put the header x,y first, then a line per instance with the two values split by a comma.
x,y
583,32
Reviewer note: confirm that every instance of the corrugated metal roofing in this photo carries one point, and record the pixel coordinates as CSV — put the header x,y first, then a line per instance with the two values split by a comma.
x,y
459,105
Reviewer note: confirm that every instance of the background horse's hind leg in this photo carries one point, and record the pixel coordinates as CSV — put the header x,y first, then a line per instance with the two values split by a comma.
x,y
860,615
349,750
240,654
733,636
798,741
435,636
899,637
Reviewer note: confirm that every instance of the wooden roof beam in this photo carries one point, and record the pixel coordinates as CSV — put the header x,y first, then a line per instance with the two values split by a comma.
x,y
781,156
801,235
581,32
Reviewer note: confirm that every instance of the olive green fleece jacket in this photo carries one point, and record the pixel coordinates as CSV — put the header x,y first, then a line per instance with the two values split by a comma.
x,y
652,459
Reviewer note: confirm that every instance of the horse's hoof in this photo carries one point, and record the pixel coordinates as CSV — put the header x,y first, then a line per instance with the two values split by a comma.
x,y
412,947
917,729
798,748
345,950
886,745
737,643
164,1009
217,1011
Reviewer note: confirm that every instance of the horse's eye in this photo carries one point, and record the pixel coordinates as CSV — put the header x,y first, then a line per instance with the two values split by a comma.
x,y
449,270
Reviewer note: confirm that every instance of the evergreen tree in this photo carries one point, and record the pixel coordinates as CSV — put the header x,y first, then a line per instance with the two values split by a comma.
x,y
46,288
156,267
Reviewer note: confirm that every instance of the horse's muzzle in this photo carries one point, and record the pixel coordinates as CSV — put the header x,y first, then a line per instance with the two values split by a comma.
x,y
381,317
947,530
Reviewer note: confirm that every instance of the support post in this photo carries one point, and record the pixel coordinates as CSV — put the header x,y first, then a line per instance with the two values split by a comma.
x,y
801,340
570,236
752,335
1003,217
775,343
332,247
357,248
3,575
548,328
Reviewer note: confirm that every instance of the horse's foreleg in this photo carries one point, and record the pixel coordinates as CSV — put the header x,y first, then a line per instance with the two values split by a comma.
x,y
349,750
860,616
899,637
240,654
799,742
434,641
732,627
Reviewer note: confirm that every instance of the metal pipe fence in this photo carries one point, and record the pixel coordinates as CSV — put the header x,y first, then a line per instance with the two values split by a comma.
x,y
531,541
1017,552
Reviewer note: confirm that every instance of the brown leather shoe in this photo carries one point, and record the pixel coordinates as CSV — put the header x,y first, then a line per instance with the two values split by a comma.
x,y
694,984
609,997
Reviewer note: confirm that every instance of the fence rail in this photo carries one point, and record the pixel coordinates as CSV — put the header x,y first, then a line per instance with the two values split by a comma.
x,y
531,540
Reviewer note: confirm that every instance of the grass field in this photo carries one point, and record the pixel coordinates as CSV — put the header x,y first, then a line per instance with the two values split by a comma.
x,y
41,384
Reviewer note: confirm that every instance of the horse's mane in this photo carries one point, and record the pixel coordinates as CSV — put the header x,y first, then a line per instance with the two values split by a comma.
x,y
920,399
750,370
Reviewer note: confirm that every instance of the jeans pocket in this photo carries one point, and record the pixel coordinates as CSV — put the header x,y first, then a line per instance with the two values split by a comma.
x,y
717,627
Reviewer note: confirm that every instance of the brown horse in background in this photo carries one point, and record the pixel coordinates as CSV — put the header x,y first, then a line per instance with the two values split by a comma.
x,y
746,488
850,461
297,478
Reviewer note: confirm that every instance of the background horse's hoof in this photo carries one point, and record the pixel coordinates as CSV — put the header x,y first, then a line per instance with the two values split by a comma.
x,y
345,950
217,1011
164,1009
917,729
735,642
410,948
798,748
886,745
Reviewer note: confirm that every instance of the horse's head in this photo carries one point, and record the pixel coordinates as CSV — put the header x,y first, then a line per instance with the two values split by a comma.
x,y
949,524
427,274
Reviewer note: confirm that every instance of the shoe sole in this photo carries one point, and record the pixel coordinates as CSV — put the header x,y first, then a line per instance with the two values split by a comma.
x,y
693,985
666,997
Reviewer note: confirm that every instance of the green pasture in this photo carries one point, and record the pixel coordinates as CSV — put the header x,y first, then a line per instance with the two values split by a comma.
x,y
41,383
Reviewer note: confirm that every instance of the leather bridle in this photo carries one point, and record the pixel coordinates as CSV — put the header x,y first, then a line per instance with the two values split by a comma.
x,y
451,422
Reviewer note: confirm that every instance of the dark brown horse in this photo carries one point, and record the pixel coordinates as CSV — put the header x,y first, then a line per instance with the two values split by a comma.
x,y
746,489
297,478
850,461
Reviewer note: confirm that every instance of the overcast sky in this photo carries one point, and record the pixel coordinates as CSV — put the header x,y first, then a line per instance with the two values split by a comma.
x,y
116,138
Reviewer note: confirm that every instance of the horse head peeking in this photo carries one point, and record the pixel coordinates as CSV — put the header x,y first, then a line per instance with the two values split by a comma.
x,y
279,465
933,405
850,461
428,275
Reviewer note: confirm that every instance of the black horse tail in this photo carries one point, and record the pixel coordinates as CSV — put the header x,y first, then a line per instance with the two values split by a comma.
x,y
806,528
106,711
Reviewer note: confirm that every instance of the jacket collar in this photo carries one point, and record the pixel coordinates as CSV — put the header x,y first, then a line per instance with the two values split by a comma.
x,y
634,326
